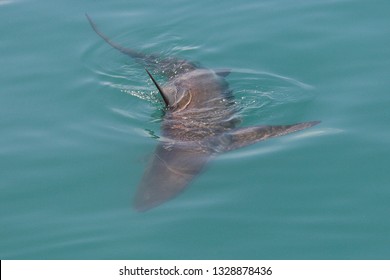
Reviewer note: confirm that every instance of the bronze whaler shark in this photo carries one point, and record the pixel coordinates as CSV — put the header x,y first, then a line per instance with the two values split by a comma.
x,y
198,124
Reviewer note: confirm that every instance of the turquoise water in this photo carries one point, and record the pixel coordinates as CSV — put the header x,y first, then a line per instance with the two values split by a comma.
x,y
79,122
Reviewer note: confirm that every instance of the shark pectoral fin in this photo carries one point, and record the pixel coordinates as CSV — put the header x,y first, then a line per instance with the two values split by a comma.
x,y
171,170
242,137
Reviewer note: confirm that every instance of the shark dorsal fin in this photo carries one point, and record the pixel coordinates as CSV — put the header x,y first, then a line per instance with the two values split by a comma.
x,y
163,95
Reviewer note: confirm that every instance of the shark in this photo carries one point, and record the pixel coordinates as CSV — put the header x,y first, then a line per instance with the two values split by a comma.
x,y
199,123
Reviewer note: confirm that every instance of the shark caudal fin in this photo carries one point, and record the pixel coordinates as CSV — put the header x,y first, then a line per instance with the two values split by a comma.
x,y
242,137
170,66
127,51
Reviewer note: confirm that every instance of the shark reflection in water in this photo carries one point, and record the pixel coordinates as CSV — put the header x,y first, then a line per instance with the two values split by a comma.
x,y
199,123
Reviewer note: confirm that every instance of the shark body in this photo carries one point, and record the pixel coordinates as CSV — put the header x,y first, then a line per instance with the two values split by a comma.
x,y
198,124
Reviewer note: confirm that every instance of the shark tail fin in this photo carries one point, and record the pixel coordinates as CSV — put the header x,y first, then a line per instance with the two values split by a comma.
x,y
168,66
130,52
242,137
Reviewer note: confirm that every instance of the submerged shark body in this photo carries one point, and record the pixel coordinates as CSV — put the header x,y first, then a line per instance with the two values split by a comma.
x,y
199,123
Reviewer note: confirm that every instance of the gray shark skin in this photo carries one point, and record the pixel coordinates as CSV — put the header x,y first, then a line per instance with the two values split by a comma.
x,y
198,124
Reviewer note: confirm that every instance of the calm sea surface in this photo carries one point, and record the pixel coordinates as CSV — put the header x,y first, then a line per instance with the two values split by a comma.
x,y
80,121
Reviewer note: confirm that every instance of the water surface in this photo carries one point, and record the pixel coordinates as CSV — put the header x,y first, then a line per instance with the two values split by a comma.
x,y
79,122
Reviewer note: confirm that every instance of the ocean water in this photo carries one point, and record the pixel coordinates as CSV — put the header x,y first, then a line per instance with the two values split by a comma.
x,y
80,121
